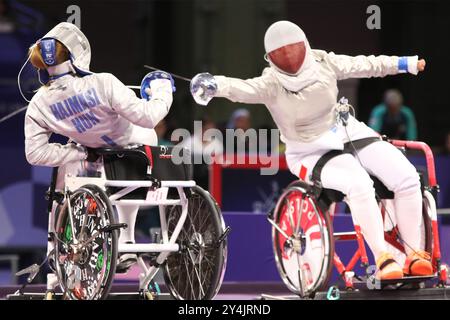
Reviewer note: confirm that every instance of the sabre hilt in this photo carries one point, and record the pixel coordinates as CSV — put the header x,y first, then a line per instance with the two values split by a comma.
x,y
343,110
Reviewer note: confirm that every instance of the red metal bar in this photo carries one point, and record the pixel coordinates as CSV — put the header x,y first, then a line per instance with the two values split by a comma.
x,y
393,242
422,146
353,260
215,182
341,269
338,264
436,245
345,237
361,245
238,161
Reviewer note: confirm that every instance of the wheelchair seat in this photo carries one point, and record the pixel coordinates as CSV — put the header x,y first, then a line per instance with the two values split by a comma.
x,y
140,162
328,196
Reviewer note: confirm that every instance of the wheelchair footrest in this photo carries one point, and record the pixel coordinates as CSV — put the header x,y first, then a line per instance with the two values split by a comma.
x,y
406,280
399,294
111,296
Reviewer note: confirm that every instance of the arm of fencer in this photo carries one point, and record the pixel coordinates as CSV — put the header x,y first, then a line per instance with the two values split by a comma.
x,y
255,90
39,151
370,66
144,113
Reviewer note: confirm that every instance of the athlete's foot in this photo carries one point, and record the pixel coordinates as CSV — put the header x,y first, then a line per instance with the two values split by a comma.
x,y
388,268
418,263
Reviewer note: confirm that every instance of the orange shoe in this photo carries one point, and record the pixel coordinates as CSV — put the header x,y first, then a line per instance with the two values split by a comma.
x,y
388,268
418,263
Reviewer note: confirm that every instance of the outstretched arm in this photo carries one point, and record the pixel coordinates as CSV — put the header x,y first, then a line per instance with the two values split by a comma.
x,y
205,86
372,66
255,90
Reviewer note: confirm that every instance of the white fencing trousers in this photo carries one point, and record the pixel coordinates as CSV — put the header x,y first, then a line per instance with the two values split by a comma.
x,y
391,167
346,174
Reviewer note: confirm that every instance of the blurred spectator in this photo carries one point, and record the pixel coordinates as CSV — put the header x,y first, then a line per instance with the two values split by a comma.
x,y
7,21
203,149
446,149
199,146
392,118
240,119
161,132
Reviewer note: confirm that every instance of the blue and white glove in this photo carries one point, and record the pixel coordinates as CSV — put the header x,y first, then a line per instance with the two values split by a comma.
x,y
408,64
157,84
203,88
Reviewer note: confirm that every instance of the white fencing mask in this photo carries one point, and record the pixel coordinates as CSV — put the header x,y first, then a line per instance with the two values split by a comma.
x,y
289,53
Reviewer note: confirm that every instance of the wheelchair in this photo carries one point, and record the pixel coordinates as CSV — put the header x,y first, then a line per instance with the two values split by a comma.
x,y
192,252
304,242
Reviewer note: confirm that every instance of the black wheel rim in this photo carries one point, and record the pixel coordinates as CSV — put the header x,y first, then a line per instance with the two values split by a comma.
x,y
84,269
195,271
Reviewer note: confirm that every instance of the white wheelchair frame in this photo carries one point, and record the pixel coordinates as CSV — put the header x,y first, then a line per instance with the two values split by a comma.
x,y
168,245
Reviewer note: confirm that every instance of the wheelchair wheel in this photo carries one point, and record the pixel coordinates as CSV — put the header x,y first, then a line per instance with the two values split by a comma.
x,y
85,256
304,257
196,271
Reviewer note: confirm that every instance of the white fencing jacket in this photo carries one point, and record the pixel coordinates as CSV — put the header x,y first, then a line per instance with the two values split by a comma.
x,y
304,116
97,110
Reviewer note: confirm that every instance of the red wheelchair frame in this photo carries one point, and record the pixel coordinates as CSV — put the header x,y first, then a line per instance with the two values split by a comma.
x,y
391,237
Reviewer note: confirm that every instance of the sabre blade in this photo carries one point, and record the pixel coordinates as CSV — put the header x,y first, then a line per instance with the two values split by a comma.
x,y
173,74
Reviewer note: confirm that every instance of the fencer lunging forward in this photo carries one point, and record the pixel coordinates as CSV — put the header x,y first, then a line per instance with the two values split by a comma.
x,y
92,109
300,91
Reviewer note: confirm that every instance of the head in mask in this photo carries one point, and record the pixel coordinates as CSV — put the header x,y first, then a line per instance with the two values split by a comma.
x,y
289,53
73,40
64,49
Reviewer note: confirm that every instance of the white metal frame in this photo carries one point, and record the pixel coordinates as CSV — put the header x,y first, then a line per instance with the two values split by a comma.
x,y
168,244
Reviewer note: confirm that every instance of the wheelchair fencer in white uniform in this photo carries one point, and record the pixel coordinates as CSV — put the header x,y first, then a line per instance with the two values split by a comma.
x,y
299,88
106,122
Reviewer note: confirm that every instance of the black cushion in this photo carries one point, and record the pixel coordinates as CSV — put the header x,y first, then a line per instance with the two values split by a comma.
x,y
135,164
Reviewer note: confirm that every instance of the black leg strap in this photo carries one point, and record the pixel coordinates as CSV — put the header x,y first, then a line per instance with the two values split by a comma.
x,y
317,171
348,148
411,264
360,143
386,263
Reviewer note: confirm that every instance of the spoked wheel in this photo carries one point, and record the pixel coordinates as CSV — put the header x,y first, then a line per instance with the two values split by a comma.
x,y
85,255
196,271
304,249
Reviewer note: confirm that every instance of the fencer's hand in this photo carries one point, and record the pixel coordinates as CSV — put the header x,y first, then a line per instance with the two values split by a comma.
x,y
421,65
161,89
160,83
203,88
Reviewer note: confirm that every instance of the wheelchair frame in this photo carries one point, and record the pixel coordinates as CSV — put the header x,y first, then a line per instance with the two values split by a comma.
x,y
168,245
431,190
324,201
154,191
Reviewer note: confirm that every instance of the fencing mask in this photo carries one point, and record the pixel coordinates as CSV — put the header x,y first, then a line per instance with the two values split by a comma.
x,y
289,53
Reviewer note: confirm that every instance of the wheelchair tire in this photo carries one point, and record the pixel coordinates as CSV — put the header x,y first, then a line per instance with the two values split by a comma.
x,y
86,272
201,254
304,264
